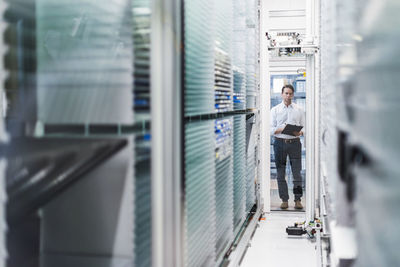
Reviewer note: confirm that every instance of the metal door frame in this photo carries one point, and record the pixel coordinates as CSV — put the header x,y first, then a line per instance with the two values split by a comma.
x,y
312,108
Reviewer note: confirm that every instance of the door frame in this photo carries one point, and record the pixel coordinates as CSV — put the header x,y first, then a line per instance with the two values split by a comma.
x,y
312,107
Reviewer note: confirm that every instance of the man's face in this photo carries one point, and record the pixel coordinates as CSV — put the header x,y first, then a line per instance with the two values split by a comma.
x,y
287,95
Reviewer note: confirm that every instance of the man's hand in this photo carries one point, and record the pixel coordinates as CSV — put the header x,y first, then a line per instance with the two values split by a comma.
x,y
279,130
298,133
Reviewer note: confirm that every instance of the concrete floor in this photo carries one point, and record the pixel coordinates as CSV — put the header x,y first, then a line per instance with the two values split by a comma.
x,y
276,201
271,246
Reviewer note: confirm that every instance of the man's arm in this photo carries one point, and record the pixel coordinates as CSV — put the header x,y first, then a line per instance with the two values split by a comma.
x,y
279,130
298,133
302,123
274,127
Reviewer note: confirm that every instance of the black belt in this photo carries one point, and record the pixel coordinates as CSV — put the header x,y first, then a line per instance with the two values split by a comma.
x,y
288,141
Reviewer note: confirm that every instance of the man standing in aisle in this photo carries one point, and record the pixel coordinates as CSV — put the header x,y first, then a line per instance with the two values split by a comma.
x,y
288,145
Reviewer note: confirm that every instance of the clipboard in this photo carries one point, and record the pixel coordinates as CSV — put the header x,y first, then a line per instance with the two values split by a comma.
x,y
290,128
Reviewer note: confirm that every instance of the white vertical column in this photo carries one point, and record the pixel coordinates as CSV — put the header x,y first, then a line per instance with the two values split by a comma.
x,y
310,21
166,133
312,109
317,102
310,137
265,153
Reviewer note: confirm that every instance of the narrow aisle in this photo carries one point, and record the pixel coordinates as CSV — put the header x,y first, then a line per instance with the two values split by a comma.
x,y
272,247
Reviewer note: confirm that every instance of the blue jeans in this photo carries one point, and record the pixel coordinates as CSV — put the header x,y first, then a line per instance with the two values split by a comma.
x,y
282,150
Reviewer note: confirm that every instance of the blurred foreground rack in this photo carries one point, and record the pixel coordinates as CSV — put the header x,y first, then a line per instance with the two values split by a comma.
x,y
127,141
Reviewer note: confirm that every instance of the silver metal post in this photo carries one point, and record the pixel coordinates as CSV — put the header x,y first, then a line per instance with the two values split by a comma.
x,y
166,133
264,112
310,137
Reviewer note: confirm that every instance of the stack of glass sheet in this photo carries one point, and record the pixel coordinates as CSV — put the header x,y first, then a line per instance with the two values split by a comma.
x,y
223,82
328,105
215,65
3,198
251,54
239,170
199,52
256,49
376,83
20,60
239,87
84,70
141,10
3,194
143,210
199,203
239,55
3,224
223,55
251,167
223,138
71,62
223,184
224,25
141,39
224,127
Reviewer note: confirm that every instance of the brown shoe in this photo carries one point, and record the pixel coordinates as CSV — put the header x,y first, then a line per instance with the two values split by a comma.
x,y
284,205
297,205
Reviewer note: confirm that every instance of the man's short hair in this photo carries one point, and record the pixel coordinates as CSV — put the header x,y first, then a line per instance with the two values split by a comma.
x,y
288,86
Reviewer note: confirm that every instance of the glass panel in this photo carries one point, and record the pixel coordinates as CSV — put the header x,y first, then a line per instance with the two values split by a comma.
x,y
84,62
199,206
223,184
239,170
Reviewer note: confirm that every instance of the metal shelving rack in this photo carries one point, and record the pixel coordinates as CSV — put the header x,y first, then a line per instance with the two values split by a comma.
x,y
98,106
145,117
366,65
232,77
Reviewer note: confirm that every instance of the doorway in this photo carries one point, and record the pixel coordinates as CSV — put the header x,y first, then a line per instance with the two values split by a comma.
x,y
298,81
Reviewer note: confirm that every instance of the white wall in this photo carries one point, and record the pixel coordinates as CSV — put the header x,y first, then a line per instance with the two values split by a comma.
x,y
286,16
286,4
